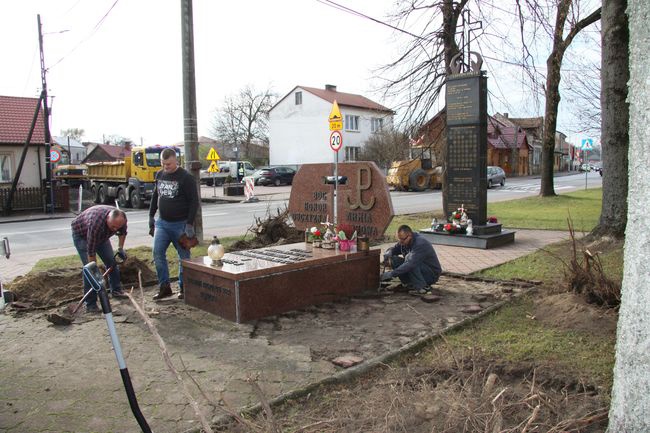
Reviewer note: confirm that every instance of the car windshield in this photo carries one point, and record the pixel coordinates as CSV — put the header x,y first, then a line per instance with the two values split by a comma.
x,y
153,156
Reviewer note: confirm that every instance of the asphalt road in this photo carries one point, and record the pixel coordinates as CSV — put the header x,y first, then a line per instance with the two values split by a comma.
x,y
52,237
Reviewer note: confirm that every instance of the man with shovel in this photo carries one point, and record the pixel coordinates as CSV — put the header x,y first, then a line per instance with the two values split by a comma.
x,y
91,233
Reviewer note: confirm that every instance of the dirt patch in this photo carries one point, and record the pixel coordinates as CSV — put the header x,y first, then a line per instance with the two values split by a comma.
x,y
571,311
58,286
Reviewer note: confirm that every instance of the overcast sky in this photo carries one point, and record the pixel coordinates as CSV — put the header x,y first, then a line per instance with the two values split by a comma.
x,y
114,67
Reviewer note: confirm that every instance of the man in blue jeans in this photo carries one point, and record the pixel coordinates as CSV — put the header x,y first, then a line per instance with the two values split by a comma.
x,y
414,261
176,199
91,233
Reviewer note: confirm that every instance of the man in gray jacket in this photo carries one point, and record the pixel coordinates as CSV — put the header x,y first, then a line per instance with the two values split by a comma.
x,y
414,261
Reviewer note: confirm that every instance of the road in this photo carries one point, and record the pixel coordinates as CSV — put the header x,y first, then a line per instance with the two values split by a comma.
x,y
32,240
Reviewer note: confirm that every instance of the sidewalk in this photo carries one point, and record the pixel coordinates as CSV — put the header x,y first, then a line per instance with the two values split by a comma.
x,y
66,380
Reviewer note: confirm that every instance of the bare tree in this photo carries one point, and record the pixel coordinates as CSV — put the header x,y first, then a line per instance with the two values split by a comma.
x,y
615,136
562,31
385,147
420,72
118,140
243,118
75,133
630,398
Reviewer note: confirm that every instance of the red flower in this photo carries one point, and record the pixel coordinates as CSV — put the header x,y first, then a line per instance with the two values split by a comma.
x,y
448,227
317,233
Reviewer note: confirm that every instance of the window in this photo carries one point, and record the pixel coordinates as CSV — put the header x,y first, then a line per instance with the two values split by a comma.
x,y
351,153
5,168
376,124
351,122
298,98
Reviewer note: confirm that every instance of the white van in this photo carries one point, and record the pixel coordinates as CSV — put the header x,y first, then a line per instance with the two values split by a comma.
x,y
227,168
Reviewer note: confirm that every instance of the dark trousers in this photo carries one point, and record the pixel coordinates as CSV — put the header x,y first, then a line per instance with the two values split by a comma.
x,y
420,277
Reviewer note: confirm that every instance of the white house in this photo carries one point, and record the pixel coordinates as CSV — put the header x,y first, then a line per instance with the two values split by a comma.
x,y
299,128
73,147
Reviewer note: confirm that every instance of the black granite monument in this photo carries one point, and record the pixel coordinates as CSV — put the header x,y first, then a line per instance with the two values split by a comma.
x,y
466,97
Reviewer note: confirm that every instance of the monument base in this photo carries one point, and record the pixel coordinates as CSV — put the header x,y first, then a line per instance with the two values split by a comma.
x,y
252,284
484,241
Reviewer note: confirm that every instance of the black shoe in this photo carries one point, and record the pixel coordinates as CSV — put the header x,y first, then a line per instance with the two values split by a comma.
x,y
119,294
165,291
92,309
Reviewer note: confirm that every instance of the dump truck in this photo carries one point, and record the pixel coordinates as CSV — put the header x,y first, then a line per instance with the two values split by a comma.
x,y
414,175
130,181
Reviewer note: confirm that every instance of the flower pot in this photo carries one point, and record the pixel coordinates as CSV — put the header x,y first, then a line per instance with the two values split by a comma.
x,y
345,245
318,243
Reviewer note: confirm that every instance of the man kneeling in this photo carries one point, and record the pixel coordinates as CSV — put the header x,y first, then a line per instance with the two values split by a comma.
x,y
414,261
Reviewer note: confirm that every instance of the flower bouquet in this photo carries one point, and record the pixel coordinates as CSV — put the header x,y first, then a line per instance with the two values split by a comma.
x,y
316,236
346,236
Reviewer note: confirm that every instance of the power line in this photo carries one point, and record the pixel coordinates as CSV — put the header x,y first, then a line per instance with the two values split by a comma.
x,y
92,33
346,9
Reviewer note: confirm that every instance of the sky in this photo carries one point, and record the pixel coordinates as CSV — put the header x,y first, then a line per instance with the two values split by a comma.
x,y
114,66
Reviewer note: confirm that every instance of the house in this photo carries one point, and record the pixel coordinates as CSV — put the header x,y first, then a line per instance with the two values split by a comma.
x,y
16,115
107,152
299,129
73,150
508,146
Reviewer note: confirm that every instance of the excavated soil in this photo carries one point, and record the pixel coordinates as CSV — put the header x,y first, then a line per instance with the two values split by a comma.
x,y
58,286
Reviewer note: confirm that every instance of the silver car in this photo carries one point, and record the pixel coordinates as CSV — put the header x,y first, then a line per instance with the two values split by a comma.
x,y
495,175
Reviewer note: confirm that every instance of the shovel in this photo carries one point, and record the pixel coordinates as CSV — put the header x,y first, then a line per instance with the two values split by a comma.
x,y
69,313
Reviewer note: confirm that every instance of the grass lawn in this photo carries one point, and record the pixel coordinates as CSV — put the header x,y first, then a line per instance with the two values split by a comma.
x,y
545,213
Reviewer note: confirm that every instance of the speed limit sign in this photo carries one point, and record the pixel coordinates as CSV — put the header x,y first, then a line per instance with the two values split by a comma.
x,y
336,140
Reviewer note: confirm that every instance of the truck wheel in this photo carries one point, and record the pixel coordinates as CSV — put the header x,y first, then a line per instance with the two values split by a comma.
x,y
102,196
136,201
418,180
123,198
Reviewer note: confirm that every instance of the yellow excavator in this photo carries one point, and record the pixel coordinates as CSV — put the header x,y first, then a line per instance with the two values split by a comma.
x,y
415,174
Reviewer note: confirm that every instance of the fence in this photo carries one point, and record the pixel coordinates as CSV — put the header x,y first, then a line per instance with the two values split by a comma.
x,y
33,199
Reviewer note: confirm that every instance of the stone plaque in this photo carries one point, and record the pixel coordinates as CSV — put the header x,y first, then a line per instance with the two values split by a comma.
x,y
363,201
467,145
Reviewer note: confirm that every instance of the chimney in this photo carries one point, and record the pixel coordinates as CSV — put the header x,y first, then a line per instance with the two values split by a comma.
x,y
505,115
330,87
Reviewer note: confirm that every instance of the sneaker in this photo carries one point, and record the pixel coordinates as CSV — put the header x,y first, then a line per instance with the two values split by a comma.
x,y
420,292
181,295
119,294
92,309
165,291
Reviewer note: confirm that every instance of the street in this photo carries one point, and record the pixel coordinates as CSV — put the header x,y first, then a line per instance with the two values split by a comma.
x,y
33,240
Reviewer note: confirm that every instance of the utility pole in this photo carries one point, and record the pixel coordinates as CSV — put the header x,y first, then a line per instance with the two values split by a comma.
x,y
49,192
192,163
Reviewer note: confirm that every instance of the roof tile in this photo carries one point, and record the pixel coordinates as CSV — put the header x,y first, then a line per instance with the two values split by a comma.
x,y
16,114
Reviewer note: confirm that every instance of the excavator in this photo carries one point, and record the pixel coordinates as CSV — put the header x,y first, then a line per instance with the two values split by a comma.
x,y
416,174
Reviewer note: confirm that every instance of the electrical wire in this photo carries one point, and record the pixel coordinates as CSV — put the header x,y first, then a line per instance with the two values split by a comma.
x,y
90,35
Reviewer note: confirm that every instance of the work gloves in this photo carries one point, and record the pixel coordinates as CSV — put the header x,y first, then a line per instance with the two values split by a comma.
x,y
152,226
189,231
121,254
386,276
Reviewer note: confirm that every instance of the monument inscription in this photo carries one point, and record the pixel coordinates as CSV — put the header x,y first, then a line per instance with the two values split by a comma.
x,y
467,145
363,200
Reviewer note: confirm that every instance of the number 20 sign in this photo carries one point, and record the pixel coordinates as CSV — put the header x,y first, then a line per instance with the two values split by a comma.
x,y
336,140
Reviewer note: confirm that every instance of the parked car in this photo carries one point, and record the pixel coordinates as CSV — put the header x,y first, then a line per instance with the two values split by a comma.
x,y
274,176
227,172
495,175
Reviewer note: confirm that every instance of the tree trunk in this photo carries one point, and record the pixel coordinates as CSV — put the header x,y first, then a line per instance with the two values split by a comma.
x,y
552,91
615,119
630,403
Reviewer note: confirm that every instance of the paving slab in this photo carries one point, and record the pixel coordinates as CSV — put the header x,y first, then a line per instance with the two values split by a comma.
x,y
66,379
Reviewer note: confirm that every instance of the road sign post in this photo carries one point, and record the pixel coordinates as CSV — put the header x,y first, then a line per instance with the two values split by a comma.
x,y
213,169
336,142
587,145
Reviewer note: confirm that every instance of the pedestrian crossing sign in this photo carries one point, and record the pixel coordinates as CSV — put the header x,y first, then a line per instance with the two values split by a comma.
x,y
587,144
